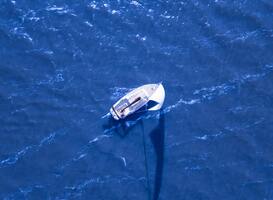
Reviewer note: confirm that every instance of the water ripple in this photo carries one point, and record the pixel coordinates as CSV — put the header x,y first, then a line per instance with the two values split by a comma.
x,y
13,159
209,93
78,190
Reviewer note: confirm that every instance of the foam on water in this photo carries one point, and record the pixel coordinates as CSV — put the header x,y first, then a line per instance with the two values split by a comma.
x,y
13,159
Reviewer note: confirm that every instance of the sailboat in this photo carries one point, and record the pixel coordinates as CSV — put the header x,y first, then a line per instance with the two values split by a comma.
x,y
150,96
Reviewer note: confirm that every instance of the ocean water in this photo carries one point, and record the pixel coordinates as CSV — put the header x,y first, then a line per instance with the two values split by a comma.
x,y
64,63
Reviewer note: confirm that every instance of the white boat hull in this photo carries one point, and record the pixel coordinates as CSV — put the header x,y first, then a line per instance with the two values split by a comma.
x,y
137,99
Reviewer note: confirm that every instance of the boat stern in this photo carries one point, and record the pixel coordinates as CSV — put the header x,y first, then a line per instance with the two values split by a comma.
x,y
114,114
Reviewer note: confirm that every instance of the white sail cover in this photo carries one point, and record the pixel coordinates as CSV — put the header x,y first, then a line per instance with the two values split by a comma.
x,y
159,97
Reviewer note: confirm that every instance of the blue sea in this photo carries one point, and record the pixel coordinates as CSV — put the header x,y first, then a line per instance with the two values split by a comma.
x,y
63,64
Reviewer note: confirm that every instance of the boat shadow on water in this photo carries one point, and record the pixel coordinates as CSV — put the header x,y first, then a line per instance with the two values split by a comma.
x,y
156,136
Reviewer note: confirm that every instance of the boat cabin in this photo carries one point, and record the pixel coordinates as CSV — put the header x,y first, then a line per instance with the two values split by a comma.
x,y
130,104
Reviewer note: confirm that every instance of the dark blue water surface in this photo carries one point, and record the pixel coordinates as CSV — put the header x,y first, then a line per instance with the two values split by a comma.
x,y
64,63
